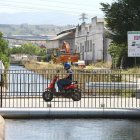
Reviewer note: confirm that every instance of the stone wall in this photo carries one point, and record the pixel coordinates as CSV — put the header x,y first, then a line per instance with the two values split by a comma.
x,y
2,129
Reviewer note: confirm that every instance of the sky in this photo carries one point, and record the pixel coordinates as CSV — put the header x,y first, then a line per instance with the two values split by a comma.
x,y
57,12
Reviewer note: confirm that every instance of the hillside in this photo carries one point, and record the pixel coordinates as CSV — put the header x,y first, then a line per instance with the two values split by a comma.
x,y
26,29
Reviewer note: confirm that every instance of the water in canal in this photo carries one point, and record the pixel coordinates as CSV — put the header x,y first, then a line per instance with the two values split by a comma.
x,y
70,129
73,129
25,82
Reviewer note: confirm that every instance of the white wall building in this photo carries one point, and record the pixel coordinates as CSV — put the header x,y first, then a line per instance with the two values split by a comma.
x,y
90,41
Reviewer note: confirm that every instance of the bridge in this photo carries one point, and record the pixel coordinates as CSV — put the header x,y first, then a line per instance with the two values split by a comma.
x,y
103,95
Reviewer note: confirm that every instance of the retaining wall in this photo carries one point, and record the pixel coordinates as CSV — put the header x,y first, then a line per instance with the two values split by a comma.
x,y
2,128
68,113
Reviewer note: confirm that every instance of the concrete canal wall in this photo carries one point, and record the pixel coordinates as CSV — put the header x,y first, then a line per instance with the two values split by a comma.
x,y
2,128
68,113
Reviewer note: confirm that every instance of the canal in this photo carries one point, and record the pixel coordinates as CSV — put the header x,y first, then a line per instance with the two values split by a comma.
x,y
73,129
22,80
68,129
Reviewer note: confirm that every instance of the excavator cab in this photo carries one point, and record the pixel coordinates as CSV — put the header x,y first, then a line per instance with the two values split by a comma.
x,y
64,54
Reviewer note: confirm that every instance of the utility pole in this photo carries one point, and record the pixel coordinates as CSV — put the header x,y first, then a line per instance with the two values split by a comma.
x,y
83,17
86,46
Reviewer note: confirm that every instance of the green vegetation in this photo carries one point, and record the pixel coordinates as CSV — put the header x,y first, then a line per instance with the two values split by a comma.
x,y
30,49
4,51
117,52
121,16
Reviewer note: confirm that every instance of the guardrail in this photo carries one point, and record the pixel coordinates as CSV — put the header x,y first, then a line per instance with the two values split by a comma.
x,y
100,89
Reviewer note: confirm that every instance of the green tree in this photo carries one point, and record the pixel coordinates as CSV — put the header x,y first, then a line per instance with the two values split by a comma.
x,y
29,48
3,45
122,16
4,51
16,50
4,59
117,53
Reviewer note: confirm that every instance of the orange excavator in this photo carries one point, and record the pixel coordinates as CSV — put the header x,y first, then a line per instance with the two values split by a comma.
x,y
64,54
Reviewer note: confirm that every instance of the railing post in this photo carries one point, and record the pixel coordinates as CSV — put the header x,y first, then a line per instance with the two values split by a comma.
x,y
1,91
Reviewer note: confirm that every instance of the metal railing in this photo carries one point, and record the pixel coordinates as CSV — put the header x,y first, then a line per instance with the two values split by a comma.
x,y
100,89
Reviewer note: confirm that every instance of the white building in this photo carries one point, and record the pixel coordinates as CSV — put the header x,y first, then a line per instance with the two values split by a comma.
x,y
90,41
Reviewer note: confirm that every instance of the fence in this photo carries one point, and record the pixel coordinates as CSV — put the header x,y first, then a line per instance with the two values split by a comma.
x,y
100,89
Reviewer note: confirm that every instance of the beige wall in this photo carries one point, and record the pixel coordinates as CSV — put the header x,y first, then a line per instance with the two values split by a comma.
x,y
2,128
52,44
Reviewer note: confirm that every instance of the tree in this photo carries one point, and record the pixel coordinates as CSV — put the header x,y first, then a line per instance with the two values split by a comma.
x,y
117,52
3,45
4,51
29,48
122,16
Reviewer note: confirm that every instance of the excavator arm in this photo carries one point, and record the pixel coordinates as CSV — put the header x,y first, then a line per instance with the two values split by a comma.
x,y
66,47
